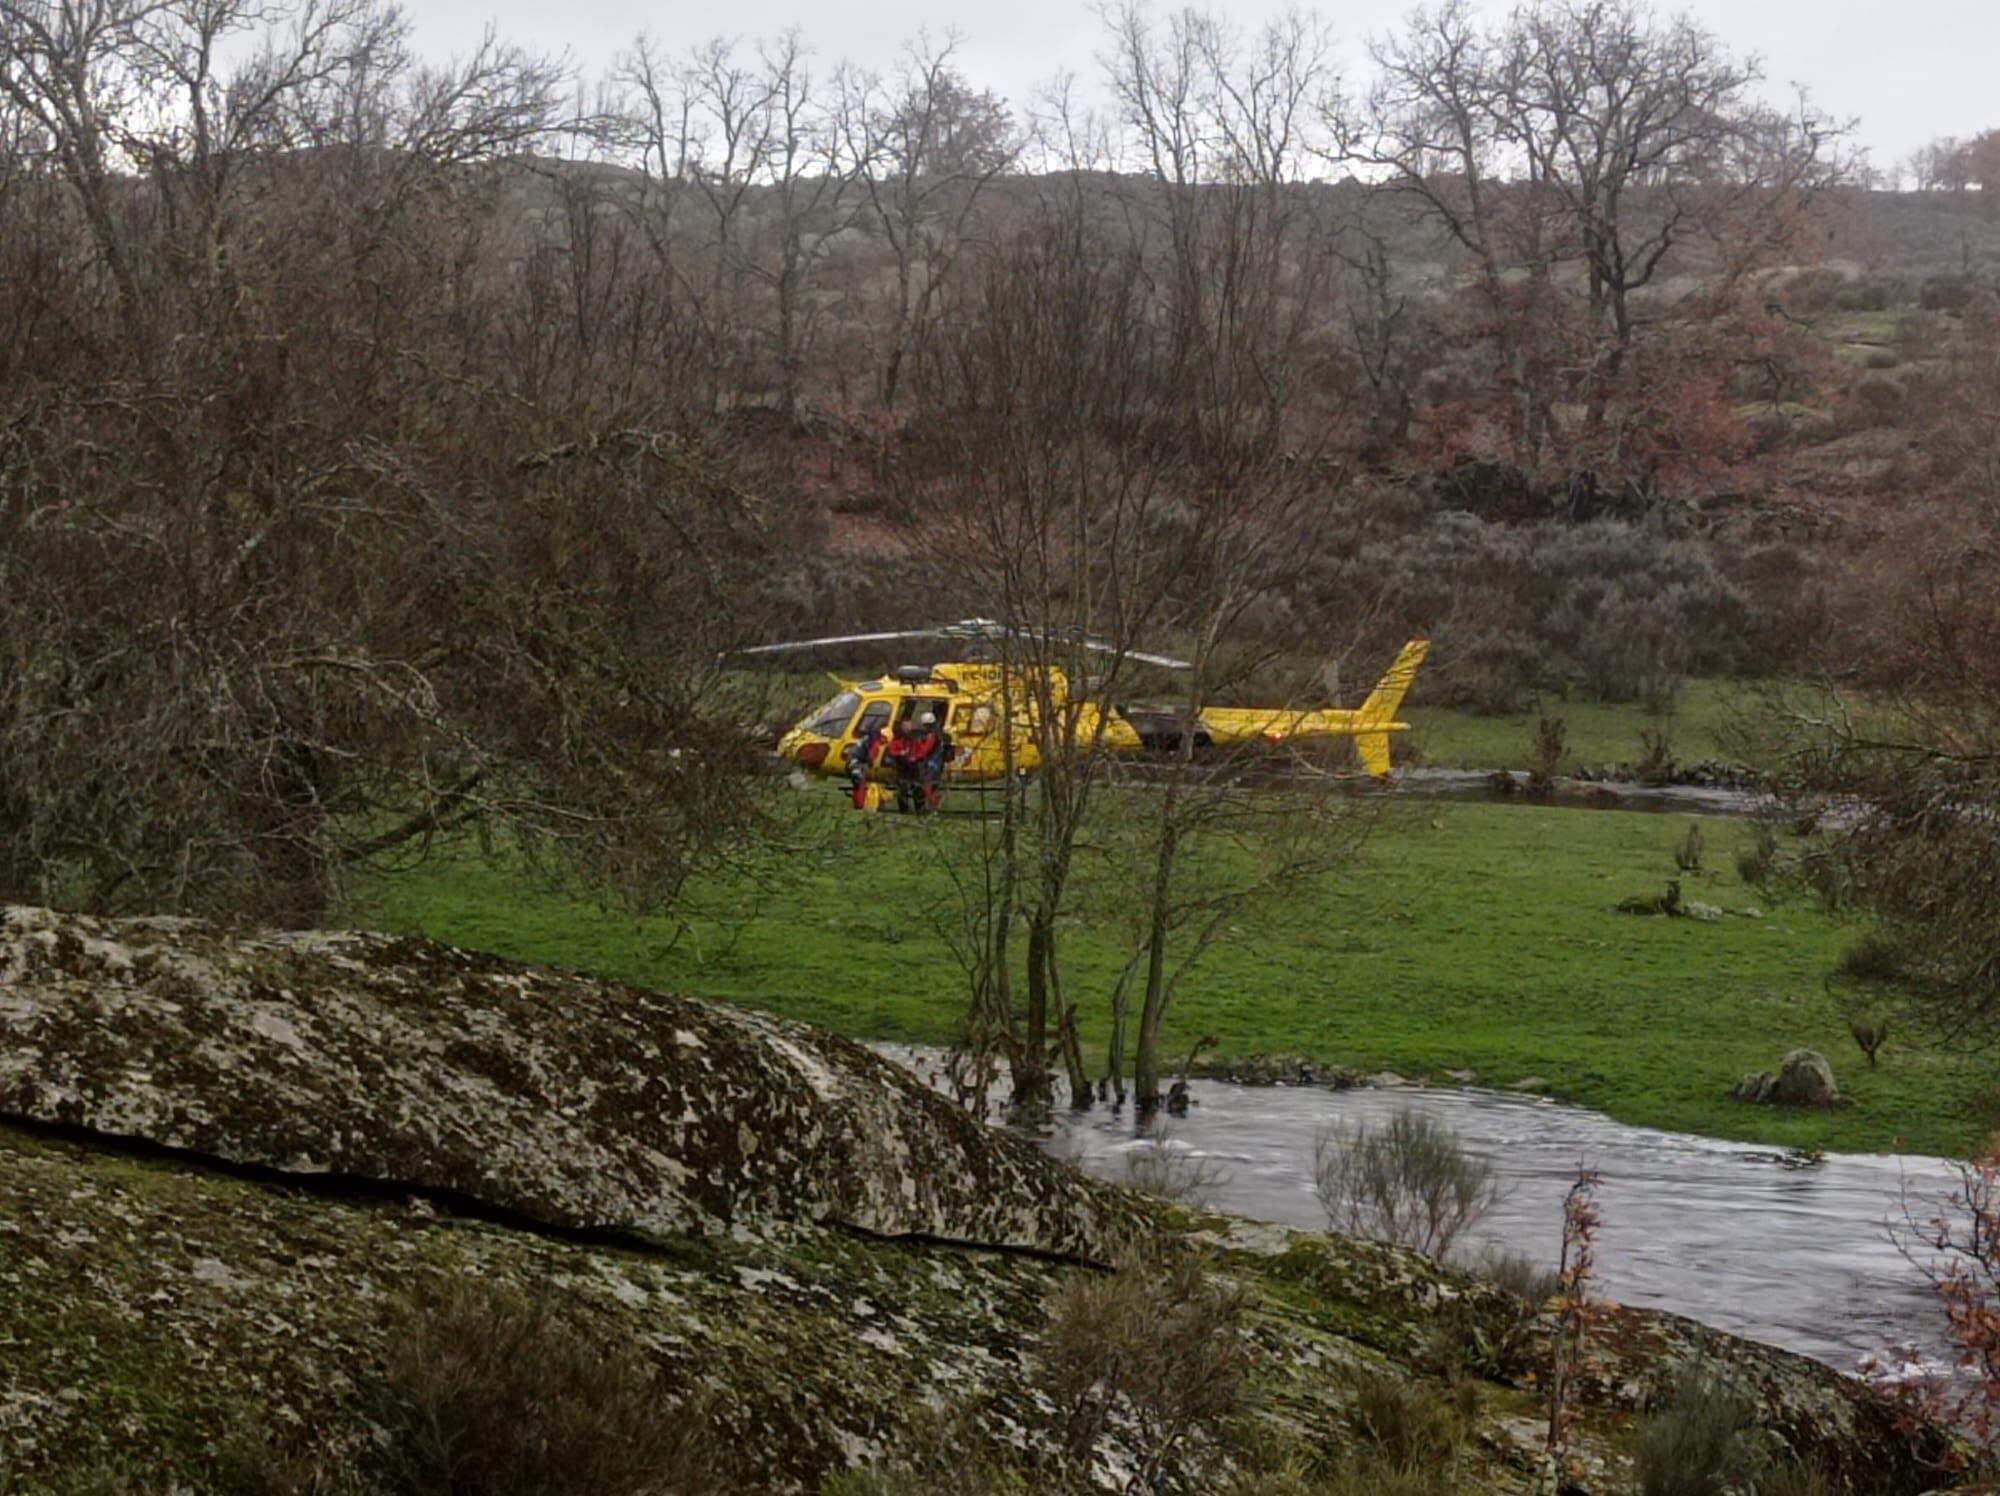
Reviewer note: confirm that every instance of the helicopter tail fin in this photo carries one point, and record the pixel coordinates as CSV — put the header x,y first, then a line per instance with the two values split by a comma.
x,y
1378,713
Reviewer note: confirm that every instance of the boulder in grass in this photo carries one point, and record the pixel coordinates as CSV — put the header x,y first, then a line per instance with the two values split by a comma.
x,y
1804,1078
1754,1087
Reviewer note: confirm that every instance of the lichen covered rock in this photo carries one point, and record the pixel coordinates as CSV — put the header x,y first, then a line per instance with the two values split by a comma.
x,y
1805,1078
575,1102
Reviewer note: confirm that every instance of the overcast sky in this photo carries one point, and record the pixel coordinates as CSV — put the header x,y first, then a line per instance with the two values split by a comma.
x,y
1910,71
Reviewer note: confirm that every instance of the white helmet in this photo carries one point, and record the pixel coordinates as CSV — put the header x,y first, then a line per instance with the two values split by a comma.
x,y
928,719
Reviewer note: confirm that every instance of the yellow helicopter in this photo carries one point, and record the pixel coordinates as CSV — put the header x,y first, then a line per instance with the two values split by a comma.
x,y
972,720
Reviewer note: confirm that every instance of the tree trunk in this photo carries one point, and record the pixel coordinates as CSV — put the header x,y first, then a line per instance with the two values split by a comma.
x,y
892,371
1080,1096
1146,1063
1066,1035
1153,1011
1114,1069
1031,1076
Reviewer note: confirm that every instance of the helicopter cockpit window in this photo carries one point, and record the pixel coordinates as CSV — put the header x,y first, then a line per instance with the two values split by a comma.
x,y
873,720
833,718
918,705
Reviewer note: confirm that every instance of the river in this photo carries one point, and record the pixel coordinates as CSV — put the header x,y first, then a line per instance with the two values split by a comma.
x,y
1799,1255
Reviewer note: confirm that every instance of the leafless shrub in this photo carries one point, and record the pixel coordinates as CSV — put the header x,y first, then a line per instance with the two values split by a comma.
x,y
1160,1341
1487,1338
1656,755
1868,974
1174,1173
1532,1283
1872,959
1415,1424
1705,1438
1687,856
948,1450
259,1456
1830,880
1409,1181
488,1393
1798,1478
1550,750
1466,1339
1756,862
1955,1242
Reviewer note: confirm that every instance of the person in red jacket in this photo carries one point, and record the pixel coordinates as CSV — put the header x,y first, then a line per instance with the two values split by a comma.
x,y
919,759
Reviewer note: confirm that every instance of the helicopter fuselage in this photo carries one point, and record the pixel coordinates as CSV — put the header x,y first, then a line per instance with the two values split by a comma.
x,y
997,720
988,715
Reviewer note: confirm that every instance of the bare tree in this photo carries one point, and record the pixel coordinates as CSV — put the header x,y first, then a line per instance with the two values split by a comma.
x,y
733,134
1390,334
1597,136
1050,516
335,579
924,147
1224,124
1427,123
809,180
648,123
1227,825
1934,167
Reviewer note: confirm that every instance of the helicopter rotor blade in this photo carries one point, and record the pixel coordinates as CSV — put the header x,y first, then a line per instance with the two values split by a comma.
x,y
985,630
882,638
1142,656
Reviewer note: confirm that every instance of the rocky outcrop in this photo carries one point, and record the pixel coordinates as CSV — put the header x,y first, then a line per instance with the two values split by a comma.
x,y
168,1316
577,1103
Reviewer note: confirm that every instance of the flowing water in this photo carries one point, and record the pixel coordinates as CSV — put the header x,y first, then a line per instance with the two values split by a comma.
x,y
1571,794
1801,1255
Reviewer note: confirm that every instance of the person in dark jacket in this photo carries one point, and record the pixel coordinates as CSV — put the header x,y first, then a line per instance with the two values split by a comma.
x,y
863,754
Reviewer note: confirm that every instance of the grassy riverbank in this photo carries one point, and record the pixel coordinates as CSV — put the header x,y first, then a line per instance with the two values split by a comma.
x,y
1701,727
1462,936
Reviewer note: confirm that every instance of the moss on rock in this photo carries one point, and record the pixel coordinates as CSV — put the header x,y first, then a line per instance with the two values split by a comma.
x,y
576,1102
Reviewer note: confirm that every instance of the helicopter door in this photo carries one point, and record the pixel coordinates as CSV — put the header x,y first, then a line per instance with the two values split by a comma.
x,y
874,719
975,724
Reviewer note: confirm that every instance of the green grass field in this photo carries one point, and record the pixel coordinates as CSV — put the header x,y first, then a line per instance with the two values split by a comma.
x,y
1462,936
1600,734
